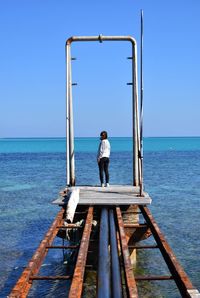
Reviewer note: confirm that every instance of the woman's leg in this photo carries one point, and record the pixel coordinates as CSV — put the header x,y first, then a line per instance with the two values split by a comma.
x,y
101,167
106,164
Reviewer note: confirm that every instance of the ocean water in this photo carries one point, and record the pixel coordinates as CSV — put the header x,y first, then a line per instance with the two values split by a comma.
x,y
32,171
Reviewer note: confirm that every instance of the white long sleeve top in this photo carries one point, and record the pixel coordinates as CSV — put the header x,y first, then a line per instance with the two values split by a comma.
x,y
104,149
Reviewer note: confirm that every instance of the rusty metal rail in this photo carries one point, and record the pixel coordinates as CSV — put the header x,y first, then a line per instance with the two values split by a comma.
x,y
117,250
130,280
78,277
24,283
180,277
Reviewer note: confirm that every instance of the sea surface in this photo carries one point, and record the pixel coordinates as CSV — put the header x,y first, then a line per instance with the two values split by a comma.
x,y
32,172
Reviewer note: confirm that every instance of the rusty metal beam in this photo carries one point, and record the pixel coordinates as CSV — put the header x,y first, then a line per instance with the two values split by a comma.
x,y
130,212
153,277
56,277
143,246
78,277
128,225
180,277
130,280
69,226
23,284
62,246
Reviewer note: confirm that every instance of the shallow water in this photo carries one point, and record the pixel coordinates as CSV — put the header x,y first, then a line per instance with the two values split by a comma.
x,y
33,172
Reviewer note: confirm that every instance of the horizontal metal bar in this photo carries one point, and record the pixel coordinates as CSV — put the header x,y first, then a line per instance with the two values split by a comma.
x,y
56,277
101,38
89,266
131,212
135,225
62,246
69,226
143,246
154,277
129,84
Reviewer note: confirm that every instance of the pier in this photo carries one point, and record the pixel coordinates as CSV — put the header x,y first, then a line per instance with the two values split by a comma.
x,y
104,226
106,247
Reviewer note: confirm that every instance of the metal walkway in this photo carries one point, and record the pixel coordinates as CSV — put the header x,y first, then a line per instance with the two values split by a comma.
x,y
106,248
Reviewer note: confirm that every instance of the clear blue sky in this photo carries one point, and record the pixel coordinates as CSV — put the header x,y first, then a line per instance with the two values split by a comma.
x,y
32,67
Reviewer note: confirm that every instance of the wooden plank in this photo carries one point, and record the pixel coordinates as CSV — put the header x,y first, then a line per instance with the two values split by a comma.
x,y
113,195
106,201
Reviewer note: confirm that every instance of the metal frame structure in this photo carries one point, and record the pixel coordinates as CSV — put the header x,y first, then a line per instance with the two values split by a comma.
x,y
70,167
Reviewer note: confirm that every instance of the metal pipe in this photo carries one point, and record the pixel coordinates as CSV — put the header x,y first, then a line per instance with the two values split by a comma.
x,y
71,126
135,117
136,135
101,38
70,167
141,106
103,282
67,115
115,267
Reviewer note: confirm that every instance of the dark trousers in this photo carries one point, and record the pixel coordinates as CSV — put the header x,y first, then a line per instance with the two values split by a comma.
x,y
103,167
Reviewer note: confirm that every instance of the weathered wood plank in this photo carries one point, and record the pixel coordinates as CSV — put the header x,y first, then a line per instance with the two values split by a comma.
x,y
113,195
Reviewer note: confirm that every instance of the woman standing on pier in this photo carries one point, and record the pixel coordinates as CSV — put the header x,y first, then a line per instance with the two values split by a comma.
x,y
103,158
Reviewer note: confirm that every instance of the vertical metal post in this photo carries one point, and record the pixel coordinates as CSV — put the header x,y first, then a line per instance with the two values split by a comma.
x,y
135,117
71,127
141,105
67,50
70,167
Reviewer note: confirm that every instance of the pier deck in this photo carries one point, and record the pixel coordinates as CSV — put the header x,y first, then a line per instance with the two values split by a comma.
x,y
112,195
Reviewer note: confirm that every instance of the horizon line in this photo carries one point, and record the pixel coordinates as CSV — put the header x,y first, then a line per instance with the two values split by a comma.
x,y
63,137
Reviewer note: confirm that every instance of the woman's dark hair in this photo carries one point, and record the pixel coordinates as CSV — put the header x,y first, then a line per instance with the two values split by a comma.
x,y
104,133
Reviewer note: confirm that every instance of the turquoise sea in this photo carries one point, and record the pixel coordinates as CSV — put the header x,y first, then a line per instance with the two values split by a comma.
x,y
32,172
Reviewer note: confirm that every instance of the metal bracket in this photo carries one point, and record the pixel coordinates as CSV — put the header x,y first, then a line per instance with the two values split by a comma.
x,y
100,38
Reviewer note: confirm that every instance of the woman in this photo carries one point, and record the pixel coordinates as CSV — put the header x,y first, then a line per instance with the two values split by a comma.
x,y
103,158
